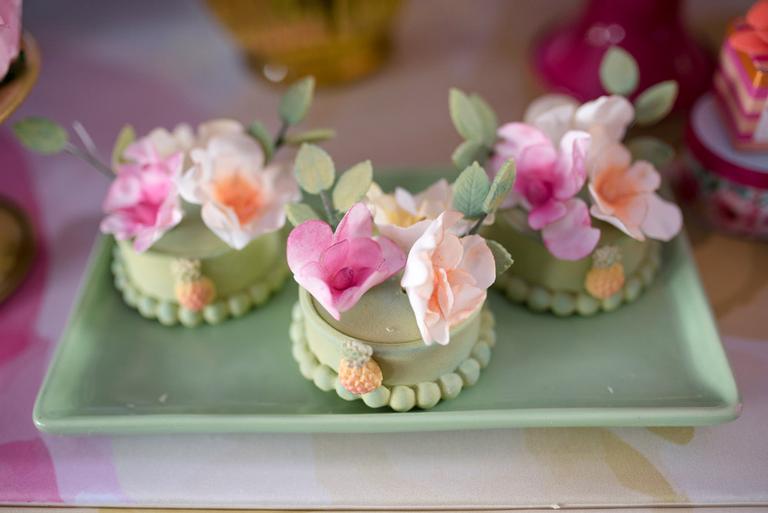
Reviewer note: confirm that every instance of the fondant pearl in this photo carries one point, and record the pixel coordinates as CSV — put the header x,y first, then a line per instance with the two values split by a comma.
x,y
296,332
482,353
403,398
147,307
517,289
469,370
539,299
612,303
215,313
427,395
376,398
450,385
259,293
307,367
300,351
487,320
647,274
632,289
586,304
239,304
344,393
167,313
130,296
324,378
296,314
563,303
189,318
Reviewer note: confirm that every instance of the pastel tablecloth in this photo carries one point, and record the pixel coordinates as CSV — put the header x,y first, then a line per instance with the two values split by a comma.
x,y
157,63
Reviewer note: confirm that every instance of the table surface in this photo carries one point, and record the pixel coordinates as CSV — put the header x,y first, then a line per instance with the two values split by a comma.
x,y
158,63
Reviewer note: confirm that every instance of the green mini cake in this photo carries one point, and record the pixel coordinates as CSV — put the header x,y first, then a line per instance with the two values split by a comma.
x,y
544,283
235,280
197,214
413,374
584,217
392,297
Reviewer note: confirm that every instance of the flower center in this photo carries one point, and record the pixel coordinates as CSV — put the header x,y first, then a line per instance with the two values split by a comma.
x,y
539,192
244,197
343,278
613,186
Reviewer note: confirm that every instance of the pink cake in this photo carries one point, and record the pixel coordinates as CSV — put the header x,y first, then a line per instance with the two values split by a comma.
x,y
741,81
10,34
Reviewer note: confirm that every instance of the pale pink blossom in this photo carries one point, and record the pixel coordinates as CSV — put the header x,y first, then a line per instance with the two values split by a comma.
x,y
624,195
142,202
606,118
338,268
446,277
241,199
571,237
10,33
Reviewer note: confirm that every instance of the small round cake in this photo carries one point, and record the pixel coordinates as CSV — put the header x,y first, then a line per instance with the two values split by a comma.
x,y
408,372
190,276
543,282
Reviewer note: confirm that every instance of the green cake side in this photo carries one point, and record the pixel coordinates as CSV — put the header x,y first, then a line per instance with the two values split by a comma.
x,y
544,283
242,279
414,374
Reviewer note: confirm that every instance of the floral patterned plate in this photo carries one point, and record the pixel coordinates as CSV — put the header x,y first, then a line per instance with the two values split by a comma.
x,y
655,362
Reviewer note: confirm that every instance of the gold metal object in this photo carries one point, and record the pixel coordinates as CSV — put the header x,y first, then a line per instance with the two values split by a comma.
x,y
334,40
13,92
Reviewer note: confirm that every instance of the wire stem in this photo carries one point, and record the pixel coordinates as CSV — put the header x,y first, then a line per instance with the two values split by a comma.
x,y
476,227
328,208
90,159
280,136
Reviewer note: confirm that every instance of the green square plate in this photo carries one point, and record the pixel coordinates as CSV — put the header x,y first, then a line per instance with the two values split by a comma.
x,y
655,362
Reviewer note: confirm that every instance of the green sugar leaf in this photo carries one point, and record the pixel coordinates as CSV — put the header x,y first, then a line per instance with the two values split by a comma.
x,y
500,255
296,101
297,213
259,132
464,116
124,138
500,187
314,169
352,186
310,136
468,152
470,190
488,118
618,72
41,135
654,150
655,103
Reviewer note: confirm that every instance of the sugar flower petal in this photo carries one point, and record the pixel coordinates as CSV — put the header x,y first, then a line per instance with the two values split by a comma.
x,y
572,237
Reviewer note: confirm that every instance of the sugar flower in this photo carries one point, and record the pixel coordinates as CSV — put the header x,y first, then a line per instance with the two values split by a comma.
x,y
183,138
10,33
571,237
624,195
338,268
402,216
606,118
240,198
142,202
752,36
446,277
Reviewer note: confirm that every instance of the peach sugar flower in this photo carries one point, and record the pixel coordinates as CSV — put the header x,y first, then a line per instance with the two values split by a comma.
x,y
624,195
446,277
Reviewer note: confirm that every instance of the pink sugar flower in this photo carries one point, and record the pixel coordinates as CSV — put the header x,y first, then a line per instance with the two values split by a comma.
x,y
338,268
547,181
446,277
142,202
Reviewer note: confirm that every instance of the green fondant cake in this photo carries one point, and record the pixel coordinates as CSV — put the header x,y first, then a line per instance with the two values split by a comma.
x,y
543,282
413,374
240,279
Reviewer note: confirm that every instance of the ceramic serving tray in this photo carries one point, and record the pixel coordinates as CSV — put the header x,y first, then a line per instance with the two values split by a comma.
x,y
657,361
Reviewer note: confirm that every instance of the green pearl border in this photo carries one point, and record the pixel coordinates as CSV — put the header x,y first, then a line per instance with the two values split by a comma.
x,y
565,303
169,313
400,398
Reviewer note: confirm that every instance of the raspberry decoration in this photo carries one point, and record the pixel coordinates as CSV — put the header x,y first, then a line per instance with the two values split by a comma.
x,y
193,289
358,372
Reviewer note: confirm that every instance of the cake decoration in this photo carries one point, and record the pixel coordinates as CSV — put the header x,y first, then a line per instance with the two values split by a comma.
x,y
578,188
741,80
196,213
398,321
